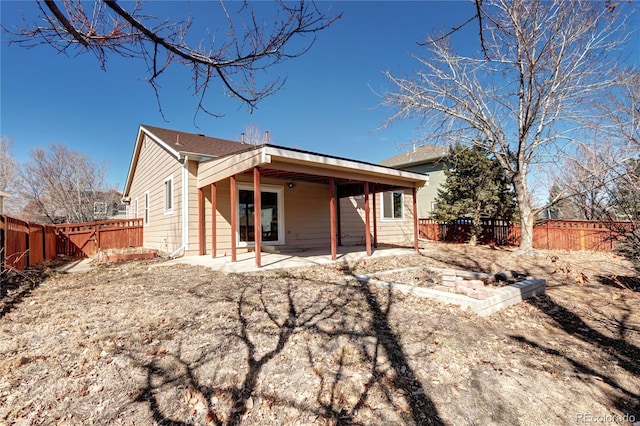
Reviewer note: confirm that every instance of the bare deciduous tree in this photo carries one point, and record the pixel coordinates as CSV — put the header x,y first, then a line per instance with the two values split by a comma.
x,y
528,94
8,165
61,185
254,136
249,44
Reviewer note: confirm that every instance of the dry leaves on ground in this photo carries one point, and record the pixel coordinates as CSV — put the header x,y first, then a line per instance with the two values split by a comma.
x,y
135,344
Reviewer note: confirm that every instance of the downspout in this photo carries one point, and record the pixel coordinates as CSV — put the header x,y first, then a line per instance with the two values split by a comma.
x,y
184,209
185,203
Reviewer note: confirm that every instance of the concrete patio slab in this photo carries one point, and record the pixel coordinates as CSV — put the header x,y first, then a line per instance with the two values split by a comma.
x,y
274,261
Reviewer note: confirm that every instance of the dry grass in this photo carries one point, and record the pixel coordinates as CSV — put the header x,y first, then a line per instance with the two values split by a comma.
x,y
130,344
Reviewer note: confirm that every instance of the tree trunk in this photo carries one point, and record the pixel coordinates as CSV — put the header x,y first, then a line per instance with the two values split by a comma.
x,y
527,216
476,228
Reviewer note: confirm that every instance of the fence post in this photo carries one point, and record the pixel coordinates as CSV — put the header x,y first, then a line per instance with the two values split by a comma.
x,y
548,243
3,248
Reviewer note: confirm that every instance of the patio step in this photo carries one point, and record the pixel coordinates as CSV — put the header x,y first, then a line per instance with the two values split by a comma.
x,y
281,249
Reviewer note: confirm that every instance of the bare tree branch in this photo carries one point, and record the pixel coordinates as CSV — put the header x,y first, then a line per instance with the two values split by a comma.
x,y
531,96
234,61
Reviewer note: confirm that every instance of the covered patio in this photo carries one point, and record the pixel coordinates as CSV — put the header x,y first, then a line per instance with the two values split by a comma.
x,y
327,179
245,262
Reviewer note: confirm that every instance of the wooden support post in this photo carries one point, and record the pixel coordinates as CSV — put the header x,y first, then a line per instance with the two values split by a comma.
x,y
416,243
333,214
257,215
367,224
375,223
234,219
201,231
214,222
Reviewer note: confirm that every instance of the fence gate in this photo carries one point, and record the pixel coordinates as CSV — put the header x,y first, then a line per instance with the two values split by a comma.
x,y
85,239
78,240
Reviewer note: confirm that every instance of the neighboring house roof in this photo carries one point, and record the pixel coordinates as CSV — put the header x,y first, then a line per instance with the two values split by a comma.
x,y
418,155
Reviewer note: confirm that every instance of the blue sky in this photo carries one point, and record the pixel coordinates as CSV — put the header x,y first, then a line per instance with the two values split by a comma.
x,y
328,104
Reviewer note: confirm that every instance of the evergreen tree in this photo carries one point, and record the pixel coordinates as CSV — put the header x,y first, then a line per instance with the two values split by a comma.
x,y
475,188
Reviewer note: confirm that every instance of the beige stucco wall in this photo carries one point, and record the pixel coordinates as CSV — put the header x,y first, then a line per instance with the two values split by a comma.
x,y
155,164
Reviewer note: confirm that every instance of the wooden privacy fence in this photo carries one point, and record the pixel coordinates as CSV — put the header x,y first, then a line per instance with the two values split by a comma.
x,y
571,235
85,239
24,244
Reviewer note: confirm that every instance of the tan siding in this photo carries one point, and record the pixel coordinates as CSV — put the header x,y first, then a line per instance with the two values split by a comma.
x,y
307,220
427,194
352,224
306,215
194,246
154,165
398,232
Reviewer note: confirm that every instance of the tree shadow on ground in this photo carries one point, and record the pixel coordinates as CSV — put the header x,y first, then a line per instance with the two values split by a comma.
x,y
260,318
628,403
15,286
621,282
625,354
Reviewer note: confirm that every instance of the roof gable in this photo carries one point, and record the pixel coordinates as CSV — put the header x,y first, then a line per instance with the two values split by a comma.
x,y
194,143
418,155
197,146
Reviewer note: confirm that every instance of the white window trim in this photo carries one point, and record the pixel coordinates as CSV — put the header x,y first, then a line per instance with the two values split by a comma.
x,y
279,190
147,209
136,210
392,219
103,210
168,211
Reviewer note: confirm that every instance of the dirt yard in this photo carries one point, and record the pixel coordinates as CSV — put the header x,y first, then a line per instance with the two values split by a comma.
x,y
139,343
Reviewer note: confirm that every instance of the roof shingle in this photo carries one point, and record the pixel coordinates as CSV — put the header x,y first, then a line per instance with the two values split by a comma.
x,y
420,154
197,143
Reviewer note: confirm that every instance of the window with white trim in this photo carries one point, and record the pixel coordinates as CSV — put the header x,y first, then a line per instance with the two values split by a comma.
x,y
168,195
136,211
146,208
392,205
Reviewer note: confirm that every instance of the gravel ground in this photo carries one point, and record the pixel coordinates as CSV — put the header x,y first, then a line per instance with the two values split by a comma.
x,y
133,344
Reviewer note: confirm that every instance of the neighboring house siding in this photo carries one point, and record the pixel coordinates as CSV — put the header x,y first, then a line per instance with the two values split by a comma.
x,y
427,194
155,164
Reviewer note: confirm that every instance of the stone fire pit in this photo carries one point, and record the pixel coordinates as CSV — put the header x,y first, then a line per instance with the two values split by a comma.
x,y
483,293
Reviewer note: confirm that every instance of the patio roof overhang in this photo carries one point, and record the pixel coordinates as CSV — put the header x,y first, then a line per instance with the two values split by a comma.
x,y
296,165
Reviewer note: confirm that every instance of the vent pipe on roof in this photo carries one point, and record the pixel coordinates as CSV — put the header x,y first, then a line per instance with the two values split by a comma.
x,y
266,136
242,137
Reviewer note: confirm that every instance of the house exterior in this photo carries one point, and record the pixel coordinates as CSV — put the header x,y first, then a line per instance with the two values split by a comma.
x,y
197,195
430,160
3,195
